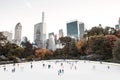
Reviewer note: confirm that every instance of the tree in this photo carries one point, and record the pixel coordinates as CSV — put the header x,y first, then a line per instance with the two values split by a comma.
x,y
111,39
116,50
28,50
100,45
96,31
43,53
11,49
69,50
118,33
3,41
81,46
73,52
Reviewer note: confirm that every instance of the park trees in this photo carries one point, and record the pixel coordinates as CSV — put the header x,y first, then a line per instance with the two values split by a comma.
x,y
100,41
81,46
11,49
69,50
96,31
102,45
43,53
28,50
3,41
116,50
98,44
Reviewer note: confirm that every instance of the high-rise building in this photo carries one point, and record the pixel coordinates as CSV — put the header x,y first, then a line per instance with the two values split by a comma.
x,y
75,29
8,35
51,41
18,33
51,34
81,30
40,33
118,25
61,34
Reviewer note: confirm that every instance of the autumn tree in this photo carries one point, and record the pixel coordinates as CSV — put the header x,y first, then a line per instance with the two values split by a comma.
x,y
96,31
12,51
43,53
28,49
116,50
69,50
118,33
81,46
3,41
100,45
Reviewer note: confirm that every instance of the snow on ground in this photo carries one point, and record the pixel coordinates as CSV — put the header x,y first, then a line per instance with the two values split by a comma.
x,y
60,70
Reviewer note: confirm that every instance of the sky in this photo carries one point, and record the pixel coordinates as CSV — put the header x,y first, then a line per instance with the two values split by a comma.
x,y
57,14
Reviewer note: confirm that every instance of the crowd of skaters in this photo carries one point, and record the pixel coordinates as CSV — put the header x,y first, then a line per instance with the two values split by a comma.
x,y
49,65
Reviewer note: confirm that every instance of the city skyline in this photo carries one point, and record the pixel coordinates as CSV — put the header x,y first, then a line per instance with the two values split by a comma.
x,y
57,14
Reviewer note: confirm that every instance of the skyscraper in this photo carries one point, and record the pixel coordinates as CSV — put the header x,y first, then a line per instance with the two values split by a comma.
x,y
51,41
75,29
81,30
51,34
40,33
18,33
118,25
61,33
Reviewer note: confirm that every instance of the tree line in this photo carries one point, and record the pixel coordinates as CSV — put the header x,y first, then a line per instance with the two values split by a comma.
x,y
97,44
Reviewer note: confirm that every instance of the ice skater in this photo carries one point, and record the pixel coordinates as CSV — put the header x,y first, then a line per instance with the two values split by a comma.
x,y
61,64
62,70
108,67
49,66
75,67
31,66
4,68
43,65
93,66
13,70
100,62
84,61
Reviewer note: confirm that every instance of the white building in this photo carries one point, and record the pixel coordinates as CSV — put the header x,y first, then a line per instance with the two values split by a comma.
x,y
61,34
18,33
40,33
51,42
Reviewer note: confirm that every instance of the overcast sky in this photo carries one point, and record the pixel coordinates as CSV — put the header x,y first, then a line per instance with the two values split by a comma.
x,y
57,14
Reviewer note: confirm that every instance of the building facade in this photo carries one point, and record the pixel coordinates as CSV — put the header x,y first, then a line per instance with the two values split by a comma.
x,y
81,30
18,33
61,34
40,33
118,25
75,29
51,41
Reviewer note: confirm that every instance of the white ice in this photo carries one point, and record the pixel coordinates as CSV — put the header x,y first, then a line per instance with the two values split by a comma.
x,y
72,70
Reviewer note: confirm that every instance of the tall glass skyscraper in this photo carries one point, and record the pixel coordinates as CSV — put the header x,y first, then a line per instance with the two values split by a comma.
x,y
75,29
40,33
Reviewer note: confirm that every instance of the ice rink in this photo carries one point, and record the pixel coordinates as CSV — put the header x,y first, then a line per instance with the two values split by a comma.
x,y
60,70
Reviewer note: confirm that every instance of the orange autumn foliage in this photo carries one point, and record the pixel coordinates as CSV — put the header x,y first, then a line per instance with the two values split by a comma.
x,y
112,39
81,46
42,53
